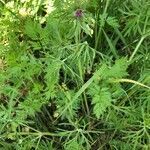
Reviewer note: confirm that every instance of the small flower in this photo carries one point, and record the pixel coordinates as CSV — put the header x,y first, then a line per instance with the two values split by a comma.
x,y
79,13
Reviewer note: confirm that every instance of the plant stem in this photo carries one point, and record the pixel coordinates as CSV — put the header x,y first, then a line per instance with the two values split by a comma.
x,y
100,28
131,81
137,47
81,76
40,134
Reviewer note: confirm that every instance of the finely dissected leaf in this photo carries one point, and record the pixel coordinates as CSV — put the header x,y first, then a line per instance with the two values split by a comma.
x,y
73,145
99,90
58,69
28,107
65,97
118,70
101,99
112,21
32,29
51,77
102,19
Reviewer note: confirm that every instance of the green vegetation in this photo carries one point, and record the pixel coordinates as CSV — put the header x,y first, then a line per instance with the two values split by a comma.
x,y
75,75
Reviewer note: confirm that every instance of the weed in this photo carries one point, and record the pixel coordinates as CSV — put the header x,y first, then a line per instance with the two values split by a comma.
x,y
74,75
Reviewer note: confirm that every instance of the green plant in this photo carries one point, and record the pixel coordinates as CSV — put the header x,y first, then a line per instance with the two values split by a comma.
x,y
74,75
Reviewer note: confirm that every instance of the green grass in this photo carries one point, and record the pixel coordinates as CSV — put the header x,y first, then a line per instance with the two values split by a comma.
x,y
75,76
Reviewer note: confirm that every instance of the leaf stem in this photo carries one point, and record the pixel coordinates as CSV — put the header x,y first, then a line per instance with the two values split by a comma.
x,y
137,47
131,81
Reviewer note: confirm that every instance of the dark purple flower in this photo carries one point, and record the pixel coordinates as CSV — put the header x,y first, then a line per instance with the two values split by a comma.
x,y
79,13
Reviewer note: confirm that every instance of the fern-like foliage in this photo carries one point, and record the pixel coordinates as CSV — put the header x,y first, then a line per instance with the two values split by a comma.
x,y
32,29
118,70
73,145
59,84
51,77
112,21
101,92
64,98
101,99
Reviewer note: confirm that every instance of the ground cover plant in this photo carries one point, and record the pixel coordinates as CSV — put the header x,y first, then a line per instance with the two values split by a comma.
x,y
75,75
